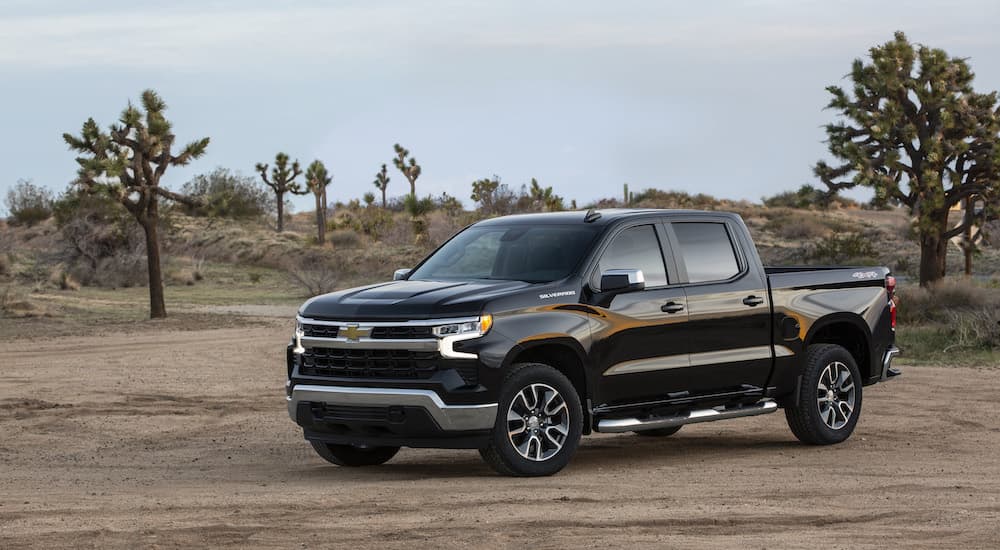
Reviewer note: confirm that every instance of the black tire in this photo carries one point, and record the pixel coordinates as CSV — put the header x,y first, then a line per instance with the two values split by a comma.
x,y
659,432
349,455
810,416
552,449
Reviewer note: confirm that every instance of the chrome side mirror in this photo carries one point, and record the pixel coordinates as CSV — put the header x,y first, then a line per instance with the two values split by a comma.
x,y
400,274
622,280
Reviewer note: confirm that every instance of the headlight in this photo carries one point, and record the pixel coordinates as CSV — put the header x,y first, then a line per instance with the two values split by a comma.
x,y
478,327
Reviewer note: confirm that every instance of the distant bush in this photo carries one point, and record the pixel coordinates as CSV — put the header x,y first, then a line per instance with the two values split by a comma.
x,y
102,244
315,276
843,249
344,238
808,197
227,194
934,305
28,203
655,198
975,329
796,225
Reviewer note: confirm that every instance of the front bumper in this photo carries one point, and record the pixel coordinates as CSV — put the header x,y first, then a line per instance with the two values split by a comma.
x,y
388,416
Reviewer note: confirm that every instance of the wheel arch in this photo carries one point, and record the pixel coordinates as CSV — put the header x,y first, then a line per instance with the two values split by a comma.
x,y
563,354
848,331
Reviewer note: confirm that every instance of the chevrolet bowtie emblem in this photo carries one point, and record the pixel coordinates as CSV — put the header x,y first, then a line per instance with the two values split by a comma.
x,y
353,333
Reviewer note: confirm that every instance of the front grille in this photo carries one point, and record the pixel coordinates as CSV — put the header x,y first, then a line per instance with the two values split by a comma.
x,y
320,331
369,363
402,333
382,363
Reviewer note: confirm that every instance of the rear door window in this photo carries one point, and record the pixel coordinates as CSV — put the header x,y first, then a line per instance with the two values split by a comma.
x,y
707,251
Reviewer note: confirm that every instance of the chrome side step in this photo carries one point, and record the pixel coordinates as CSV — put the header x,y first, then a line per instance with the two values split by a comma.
x,y
618,425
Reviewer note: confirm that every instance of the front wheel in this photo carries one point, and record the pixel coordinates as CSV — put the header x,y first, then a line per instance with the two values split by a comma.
x,y
350,455
539,422
829,397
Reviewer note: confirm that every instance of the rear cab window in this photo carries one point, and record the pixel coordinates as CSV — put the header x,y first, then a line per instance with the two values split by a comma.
x,y
706,250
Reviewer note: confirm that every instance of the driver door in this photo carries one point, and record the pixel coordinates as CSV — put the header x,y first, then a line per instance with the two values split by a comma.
x,y
639,336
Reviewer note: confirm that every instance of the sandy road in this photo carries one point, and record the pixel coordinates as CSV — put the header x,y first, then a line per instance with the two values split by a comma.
x,y
181,439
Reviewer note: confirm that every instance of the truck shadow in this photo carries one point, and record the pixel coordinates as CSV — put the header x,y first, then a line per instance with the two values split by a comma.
x,y
595,453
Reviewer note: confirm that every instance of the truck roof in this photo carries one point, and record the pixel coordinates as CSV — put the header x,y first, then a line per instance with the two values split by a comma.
x,y
607,215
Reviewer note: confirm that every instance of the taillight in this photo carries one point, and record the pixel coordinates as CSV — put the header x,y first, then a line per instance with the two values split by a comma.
x,y
890,290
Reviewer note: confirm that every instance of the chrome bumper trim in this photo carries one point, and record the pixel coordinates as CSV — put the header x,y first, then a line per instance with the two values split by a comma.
x,y
890,354
448,417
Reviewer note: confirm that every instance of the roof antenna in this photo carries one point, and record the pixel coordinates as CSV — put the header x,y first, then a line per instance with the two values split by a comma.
x,y
592,216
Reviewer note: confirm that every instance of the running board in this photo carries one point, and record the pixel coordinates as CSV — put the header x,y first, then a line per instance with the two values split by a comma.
x,y
618,425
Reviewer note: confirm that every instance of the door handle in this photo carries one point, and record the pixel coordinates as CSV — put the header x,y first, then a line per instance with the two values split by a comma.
x,y
752,301
671,307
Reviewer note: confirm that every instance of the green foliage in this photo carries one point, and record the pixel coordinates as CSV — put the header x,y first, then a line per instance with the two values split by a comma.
x,y
543,199
494,198
916,132
407,165
317,178
369,199
28,203
843,249
656,198
223,193
808,197
449,204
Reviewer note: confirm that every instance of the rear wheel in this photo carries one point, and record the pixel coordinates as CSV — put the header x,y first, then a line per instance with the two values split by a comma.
x,y
350,455
539,422
659,432
829,397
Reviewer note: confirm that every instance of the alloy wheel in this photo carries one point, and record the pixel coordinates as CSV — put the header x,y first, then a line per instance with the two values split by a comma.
x,y
538,422
836,395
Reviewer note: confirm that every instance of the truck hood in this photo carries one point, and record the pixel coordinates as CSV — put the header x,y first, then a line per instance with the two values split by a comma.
x,y
399,300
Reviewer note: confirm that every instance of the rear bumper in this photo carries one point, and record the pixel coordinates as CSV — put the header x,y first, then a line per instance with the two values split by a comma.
x,y
388,416
887,370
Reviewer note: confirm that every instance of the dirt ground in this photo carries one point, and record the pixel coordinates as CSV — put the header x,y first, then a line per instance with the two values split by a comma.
x,y
181,439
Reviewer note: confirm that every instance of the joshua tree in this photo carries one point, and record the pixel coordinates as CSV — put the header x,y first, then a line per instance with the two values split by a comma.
x,y
418,210
317,180
282,181
127,164
543,198
408,166
382,182
916,132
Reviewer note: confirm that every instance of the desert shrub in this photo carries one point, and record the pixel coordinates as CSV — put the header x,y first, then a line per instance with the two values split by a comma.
x,y
935,304
344,238
5,264
100,237
973,329
656,198
28,203
314,276
374,222
808,197
843,249
796,225
227,194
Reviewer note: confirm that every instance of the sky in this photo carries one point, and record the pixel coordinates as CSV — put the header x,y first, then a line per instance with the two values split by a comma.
x,y
718,97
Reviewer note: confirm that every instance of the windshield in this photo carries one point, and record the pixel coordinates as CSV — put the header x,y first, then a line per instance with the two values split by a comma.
x,y
534,254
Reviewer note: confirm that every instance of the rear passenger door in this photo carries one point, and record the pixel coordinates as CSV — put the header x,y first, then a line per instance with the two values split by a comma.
x,y
729,336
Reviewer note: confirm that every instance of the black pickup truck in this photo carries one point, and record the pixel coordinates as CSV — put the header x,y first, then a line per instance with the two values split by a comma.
x,y
522,333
